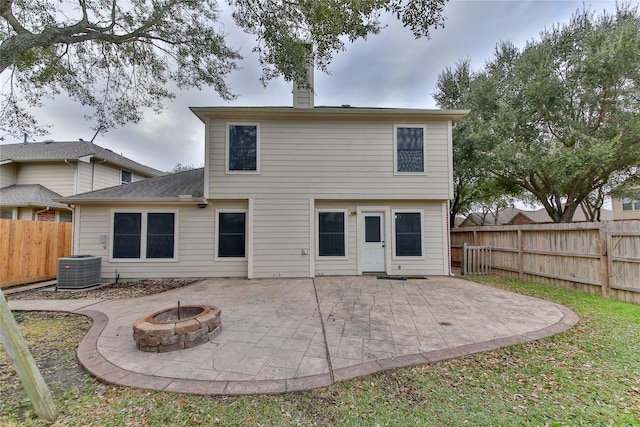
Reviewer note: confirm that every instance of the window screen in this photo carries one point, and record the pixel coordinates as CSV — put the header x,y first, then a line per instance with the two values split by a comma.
x,y
160,235
243,148
331,234
231,234
410,149
126,235
408,234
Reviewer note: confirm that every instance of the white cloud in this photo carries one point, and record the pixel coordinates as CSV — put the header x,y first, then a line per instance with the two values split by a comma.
x,y
389,70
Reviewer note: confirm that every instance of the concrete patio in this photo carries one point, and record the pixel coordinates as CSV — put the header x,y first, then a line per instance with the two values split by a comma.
x,y
285,335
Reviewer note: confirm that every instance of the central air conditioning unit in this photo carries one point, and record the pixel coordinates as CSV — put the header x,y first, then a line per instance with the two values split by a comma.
x,y
79,271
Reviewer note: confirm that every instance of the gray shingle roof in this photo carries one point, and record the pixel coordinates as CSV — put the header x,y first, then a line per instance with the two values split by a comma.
x,y
39,151
162,188
29,195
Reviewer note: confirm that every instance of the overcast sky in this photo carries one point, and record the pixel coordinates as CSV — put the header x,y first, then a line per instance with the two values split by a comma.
x,y
389,70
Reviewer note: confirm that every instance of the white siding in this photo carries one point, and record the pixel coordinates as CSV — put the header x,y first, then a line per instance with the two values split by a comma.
x,y
618,213
330,160
56,176
434,259
85,177
336,160
7,174
280,233
195,249
105,175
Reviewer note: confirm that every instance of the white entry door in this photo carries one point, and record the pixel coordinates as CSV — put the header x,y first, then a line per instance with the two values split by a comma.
x,y
373,244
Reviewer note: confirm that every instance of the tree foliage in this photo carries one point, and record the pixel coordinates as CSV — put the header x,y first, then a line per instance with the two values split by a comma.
x,y
560,119
118,57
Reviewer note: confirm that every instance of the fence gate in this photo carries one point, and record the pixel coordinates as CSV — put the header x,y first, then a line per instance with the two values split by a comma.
x,y
476,259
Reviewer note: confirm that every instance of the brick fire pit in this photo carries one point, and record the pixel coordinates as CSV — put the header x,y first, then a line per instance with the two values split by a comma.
x,y
176,328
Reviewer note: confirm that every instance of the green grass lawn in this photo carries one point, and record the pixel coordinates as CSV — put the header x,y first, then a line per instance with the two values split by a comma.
x,y
588,375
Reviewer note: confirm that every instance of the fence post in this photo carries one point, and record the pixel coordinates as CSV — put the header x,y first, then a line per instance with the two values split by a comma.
x,y
604,261
520,255
464,258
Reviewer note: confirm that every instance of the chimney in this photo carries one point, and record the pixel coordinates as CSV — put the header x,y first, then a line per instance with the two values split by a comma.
x,y
303,90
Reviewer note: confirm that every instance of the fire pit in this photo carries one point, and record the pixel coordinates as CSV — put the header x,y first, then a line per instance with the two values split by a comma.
x,y
176,328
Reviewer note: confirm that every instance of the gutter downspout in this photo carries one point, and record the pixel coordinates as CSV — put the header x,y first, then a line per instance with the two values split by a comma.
x,y
39,212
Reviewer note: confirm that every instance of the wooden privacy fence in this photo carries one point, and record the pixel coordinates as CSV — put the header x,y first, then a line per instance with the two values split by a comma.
x,y
601,258
29,250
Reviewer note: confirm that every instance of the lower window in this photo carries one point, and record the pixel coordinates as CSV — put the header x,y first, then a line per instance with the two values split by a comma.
x,y
231,234
139,235
331,234
408,234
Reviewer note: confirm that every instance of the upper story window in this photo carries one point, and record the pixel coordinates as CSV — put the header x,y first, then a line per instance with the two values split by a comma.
x,y
138,235
409,146
243,148
125,177
630,204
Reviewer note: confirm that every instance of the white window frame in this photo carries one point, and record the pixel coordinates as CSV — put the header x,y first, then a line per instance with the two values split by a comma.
x,y
143,235
14,212
217,235
227,146
122,181
393,235
424,149
344,212
633,201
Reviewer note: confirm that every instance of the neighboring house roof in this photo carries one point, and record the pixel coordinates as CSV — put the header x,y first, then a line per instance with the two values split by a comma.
x,y
74,150
29,195
185,186
504,216
539,216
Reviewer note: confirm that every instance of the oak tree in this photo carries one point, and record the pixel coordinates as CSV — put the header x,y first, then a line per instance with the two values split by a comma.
x,y
120,57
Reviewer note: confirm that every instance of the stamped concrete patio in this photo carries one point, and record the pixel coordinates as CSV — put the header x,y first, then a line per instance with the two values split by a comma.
x,y
293,334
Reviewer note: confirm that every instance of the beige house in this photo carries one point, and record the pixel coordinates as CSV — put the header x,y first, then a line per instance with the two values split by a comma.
x,y
33,174
627,207
296,191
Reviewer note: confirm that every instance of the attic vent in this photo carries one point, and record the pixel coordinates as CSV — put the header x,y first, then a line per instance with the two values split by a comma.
x,y
49,141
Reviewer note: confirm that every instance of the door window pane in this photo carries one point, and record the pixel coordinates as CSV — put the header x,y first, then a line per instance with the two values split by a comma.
x,y
231,234
160,235
331,234
408,234
410,149
372,229
126,235
243,148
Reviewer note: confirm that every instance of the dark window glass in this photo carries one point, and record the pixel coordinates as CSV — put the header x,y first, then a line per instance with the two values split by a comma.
x,y
331,234
6,213
410,146
372,229
408,234
231,234
160,235
630,204
243,148
65,216
126,235
125,177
